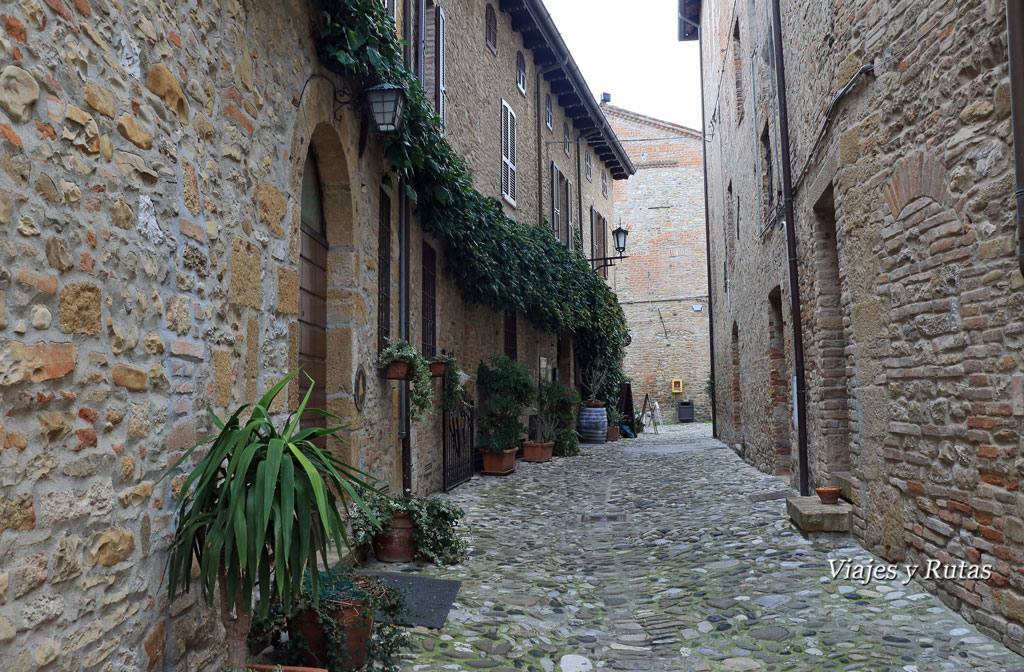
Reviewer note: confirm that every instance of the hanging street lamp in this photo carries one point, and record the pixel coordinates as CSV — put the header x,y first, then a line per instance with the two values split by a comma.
x,y
386,102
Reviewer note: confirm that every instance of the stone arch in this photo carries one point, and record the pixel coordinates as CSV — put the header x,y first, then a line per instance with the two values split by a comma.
x,y
331,143
917,175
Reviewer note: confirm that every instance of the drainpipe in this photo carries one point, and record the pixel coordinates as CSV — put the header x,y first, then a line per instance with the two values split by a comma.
x,y
794,280
707,228
1015,42
403,330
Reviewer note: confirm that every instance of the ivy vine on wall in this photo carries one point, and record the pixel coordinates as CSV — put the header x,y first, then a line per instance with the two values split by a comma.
x,y
493,260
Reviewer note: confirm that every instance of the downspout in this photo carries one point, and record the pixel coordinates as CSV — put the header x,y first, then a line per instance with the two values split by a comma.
x,y
1015,49
540,125
403,265
707,227
794,280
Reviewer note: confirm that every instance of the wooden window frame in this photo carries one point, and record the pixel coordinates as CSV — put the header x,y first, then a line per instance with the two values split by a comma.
x,y
491,29
511,335
521,73
589,162
440,59
428,306
509,140
549,113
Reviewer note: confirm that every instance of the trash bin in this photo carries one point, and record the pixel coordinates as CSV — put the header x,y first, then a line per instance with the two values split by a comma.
x,y
685,411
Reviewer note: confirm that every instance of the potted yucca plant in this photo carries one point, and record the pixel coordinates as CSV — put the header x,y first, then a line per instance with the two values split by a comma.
x,y
256,511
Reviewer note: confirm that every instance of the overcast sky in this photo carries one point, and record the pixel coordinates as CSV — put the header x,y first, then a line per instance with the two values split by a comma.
x,y
630,49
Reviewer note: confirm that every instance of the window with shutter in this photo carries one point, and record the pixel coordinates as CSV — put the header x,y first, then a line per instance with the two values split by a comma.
x,y
565,139
521,72
491,29
508,153
604,183
556,211
593,236
602,241
384,272
590,167
429,298
440,83
568,213
548,113
511,336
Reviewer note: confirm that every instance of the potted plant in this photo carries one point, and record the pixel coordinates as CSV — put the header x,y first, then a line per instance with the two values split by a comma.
x,y
402,361
410,527
453,387
506,389
555,403
614,419
567,442
256,510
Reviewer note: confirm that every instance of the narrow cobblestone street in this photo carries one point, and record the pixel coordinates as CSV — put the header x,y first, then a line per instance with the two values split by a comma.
x,y
651,555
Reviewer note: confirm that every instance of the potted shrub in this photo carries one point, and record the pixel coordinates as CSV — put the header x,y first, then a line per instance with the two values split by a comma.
x,y
256,510
410,527
506,389
567,442
614,419
555,403
401,360
453,392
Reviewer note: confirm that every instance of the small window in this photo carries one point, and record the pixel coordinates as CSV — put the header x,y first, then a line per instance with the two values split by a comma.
x,y
565,139
590,167
492,29
604,183
548,114
508,153
384,272
737,66
521,72
440,59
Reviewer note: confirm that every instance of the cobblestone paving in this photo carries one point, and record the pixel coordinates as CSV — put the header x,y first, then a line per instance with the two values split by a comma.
x,y
650,555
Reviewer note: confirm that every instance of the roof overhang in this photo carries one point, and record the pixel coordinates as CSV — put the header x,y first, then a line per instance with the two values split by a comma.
x,y
689,20
530,18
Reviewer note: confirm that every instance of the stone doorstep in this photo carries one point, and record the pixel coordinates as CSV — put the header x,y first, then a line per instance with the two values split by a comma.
x,y
810,515
844,479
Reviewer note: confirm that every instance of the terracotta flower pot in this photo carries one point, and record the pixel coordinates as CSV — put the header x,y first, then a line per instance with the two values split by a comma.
x,y
438,368
282,668
613,434
500,464
537,452
829,494
398,371
356,621
396,545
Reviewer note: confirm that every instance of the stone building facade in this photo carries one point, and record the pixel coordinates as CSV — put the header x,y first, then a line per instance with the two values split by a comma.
x,y
161,224
663,284
899,119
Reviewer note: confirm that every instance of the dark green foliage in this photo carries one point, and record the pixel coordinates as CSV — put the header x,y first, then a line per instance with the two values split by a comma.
x,y
556,404
567,442
506,389
437,532
259,507
452,392
494,260
421,393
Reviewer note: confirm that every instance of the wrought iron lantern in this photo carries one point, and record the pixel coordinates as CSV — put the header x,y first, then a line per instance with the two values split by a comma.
x,y
619,237
387,102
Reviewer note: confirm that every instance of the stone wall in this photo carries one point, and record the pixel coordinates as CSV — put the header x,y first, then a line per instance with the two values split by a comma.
x,y
908,279
662,286
150,195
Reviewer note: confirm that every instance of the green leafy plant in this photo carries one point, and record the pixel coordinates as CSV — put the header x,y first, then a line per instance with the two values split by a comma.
x,y
422,393
506,389
256,510
567,442
614,416
494,260
437,524
453,393
555,405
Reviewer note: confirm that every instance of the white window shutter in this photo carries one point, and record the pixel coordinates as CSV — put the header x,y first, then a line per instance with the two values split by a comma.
x,y
508,153
556,215
568,212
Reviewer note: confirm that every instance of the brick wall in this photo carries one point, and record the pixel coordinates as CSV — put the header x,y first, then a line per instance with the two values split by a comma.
x,y
662,286
908,279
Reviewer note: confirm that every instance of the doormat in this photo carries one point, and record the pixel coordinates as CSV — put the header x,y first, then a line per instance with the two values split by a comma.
x,y
427,600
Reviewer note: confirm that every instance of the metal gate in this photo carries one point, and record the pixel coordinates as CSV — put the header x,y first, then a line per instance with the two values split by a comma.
x,y
457,451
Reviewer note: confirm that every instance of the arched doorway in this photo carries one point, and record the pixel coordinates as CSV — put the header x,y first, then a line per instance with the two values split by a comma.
x,y
313,294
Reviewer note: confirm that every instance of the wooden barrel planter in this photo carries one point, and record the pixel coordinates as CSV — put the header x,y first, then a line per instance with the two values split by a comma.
x,y
593,424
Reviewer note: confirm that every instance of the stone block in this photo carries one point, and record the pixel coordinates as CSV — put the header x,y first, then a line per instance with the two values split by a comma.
x,y
245,273
129,377
810,515
79,311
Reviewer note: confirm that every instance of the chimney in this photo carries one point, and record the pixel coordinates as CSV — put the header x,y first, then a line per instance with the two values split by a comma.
x,y
606,98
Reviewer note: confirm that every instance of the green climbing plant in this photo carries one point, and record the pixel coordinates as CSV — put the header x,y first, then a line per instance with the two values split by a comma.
x,y
494,260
